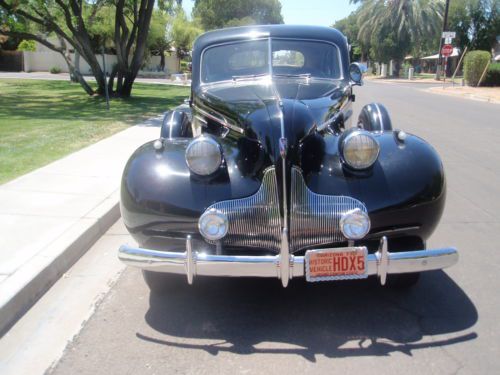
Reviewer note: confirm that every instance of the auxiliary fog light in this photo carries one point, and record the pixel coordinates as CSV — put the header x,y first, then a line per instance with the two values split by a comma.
x,y
213,225
355,224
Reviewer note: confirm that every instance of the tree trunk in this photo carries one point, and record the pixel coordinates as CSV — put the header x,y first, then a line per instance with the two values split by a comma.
x,y
397,67
126,39
126,89
111,80
162,60
77,75
77,61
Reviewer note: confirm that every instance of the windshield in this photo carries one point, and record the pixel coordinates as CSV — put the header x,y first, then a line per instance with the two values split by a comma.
x,y
250,59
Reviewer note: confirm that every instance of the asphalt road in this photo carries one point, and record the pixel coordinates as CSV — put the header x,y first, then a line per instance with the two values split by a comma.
x,y
448,324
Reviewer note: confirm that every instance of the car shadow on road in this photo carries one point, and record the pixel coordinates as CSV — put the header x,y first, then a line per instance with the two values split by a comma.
x,y
345,319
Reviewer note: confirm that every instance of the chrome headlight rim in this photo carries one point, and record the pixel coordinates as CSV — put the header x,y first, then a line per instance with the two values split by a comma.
x,y
349,215
195,142
217,215
349,136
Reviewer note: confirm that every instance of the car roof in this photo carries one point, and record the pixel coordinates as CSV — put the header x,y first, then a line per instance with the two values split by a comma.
x,y
263,31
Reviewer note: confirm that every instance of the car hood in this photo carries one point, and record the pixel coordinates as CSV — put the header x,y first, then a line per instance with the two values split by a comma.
x,y
257,107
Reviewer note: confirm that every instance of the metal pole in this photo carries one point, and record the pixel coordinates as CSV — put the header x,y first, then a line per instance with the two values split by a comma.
x,y
484,72
458,65
105,79
445,26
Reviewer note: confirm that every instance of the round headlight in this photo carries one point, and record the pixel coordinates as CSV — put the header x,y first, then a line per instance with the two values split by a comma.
x,y
355,224
213,225
203,155
360,149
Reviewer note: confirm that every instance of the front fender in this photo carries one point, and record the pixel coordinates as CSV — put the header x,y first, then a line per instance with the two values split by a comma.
x,y
160,196
405,188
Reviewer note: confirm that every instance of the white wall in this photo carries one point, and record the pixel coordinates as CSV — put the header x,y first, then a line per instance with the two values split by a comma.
x,y
43,61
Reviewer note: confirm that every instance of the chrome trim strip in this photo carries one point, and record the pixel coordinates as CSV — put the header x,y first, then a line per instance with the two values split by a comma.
x,y
269,266
190,261
170,124
222,120
284,263
387,232
380,117
270,56
382,256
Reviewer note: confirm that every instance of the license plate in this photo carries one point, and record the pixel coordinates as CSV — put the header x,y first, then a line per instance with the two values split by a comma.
x,y
336,264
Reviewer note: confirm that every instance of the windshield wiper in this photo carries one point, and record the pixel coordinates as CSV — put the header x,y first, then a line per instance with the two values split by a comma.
x,y
249,76
304,75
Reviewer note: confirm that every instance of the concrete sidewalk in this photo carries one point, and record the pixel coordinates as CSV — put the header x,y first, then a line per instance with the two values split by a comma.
x,y
485,94
51,216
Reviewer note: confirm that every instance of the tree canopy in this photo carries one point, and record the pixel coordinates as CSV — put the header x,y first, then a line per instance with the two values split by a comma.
x,y
214,14
388,30
476,22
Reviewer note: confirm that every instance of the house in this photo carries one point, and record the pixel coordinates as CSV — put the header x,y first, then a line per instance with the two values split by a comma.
x,y
428,64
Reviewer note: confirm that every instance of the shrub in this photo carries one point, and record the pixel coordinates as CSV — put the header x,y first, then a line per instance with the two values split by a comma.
x,y
492,75
474,64
27,45
55,70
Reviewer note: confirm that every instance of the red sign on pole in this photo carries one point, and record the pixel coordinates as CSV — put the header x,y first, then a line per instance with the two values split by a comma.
x,y
447,50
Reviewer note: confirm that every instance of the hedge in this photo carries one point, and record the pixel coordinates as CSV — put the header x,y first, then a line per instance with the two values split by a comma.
x,y
492,75
474,64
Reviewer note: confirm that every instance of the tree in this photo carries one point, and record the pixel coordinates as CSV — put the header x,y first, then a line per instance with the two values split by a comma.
x,y
158,41
64,19
395,28
476,23
130,42
183,33
350,28
215,14
74,23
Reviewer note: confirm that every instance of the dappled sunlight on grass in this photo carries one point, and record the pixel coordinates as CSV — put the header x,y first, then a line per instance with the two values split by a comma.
x,y
41,121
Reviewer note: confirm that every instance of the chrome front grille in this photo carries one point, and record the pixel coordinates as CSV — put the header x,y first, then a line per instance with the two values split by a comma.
x,y
315,218
255,221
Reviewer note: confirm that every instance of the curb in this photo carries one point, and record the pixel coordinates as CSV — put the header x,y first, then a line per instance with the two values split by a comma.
x,y
37,276
402,81
470,96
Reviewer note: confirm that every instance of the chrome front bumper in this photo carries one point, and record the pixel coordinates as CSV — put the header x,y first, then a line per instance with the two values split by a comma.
x,y
192,263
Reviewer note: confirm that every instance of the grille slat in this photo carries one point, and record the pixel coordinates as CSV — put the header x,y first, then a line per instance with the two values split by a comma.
x,y
315,218
255,221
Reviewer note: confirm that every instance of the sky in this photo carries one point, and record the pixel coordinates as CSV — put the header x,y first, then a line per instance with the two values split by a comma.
x,y
306,12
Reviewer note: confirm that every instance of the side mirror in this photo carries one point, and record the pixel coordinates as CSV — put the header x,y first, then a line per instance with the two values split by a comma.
x,y
356,74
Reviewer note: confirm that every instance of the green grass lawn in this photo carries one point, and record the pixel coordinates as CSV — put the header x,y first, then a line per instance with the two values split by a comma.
x,y
41,121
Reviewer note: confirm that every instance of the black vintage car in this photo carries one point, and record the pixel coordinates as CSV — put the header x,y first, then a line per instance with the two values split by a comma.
x,y
265,172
